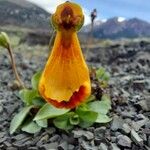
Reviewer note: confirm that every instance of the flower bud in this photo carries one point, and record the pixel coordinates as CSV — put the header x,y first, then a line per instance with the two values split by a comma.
x,y
4,40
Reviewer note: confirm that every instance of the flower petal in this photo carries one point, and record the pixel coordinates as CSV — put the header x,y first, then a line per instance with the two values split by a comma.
x,y
66,76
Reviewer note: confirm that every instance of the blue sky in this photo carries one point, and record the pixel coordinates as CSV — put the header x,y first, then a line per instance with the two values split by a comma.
x,y
106,8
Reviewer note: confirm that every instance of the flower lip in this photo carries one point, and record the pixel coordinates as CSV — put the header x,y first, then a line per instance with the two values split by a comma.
x,y
68,16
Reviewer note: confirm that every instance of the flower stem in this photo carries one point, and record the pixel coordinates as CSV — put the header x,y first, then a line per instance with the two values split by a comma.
x,y
14,66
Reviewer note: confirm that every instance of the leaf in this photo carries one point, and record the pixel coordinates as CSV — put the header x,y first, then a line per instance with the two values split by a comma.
x,y
90,98
28,95
106,76
42,123
62,122
100,72
31,127
86,115
4,40
84,124
19,118
107,100
48,111
74,119
38,101
35,80
99,107
102,118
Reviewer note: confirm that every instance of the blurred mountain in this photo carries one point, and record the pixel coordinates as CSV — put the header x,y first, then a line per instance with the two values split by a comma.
x,y
119,28
23,14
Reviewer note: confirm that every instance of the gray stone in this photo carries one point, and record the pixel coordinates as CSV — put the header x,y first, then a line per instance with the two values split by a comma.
x,y
2,134
11,148
123,140
148,141
55,138
85,145
22,142
7,144
68,138
113,139
114,146
126,128
128,114
139,84
79,133
147,125
19,136
139,123
148,101
116,123
51,146
100,132
136,138
3,139
89,135
43,139
143,105
71,147
63,146
1,108
32,148
103,146
50,130
147,148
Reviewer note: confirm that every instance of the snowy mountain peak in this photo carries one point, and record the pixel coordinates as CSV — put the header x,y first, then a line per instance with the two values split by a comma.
x,y
121,19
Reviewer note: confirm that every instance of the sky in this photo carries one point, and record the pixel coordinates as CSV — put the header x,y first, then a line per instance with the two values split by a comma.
x,y
105,8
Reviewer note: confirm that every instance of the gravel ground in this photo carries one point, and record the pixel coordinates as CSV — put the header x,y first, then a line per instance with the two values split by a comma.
x,y
129,66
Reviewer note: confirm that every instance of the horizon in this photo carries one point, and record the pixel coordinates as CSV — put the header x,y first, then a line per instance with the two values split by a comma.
x,y
124,9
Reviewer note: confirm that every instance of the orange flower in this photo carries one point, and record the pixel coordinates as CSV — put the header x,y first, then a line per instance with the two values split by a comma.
x,y
65,81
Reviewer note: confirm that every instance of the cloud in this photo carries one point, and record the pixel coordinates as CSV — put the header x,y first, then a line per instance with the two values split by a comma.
x,y
50,6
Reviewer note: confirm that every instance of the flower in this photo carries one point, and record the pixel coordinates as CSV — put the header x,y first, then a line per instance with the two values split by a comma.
x,y
65,81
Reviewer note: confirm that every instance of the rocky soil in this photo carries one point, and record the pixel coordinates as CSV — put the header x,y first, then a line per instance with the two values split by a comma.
x,y
129,66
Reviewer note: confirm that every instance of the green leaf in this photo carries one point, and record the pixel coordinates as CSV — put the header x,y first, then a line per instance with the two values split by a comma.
x,y
38,101
31,127
100,72
86,114
28,95
90,98
74,119
102,106
99,107
35,80
106,76
48,111
62,122
87,117
106,98
4,40
102,118
19,118
42,123
84,124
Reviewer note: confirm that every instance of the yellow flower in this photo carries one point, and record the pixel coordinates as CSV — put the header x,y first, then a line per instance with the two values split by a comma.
x,y
65,81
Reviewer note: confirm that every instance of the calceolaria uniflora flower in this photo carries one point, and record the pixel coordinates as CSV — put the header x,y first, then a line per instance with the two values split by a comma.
x,y
65,81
